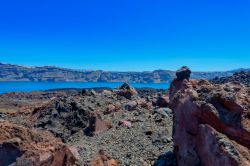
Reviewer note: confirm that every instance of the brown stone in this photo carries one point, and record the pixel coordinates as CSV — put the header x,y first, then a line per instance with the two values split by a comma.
x,y
96,124
22,146
104,159
161,101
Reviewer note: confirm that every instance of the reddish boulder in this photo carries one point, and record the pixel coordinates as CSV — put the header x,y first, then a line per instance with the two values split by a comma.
x,y
96,124
112,108
211,123
22,146
130,106
144,104
125,123
161,101
104,159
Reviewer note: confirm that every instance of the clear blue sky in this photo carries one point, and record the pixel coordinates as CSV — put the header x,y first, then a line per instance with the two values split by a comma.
x,y
126,35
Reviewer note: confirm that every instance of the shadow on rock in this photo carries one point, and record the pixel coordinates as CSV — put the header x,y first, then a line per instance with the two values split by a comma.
x,y
167,159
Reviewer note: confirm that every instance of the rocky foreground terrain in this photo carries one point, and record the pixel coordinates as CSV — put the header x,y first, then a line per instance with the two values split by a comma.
x,y
10,72
196,122
125,126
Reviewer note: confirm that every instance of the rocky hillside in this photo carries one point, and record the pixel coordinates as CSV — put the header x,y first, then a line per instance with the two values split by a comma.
x,y
47,73
242,77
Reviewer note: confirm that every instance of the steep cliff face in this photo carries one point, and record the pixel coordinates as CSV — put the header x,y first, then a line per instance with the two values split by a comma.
x,y
211,123
10,72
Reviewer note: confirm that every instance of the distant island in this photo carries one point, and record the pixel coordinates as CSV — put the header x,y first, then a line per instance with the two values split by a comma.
x,y
9,72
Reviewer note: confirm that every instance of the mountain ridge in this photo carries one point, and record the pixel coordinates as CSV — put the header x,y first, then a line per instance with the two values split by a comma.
x,y
10,72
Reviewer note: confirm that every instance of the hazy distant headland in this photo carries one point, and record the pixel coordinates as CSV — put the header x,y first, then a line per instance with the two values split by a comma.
x,y
10,72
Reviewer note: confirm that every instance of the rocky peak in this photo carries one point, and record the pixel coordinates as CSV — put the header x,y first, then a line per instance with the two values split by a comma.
x,y
125,86
183,73
126,91
242,77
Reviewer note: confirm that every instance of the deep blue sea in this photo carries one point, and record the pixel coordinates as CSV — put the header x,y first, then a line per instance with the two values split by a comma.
x,y
37,86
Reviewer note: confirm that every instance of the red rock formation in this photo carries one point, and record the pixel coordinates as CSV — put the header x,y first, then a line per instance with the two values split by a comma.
x,y
112,108
104,159
21,146
211,123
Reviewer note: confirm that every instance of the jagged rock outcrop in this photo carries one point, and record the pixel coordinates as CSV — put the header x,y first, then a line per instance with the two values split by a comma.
x,y
126,91
211,123
96,124
183,73
67,116
242,77
63,117
21,146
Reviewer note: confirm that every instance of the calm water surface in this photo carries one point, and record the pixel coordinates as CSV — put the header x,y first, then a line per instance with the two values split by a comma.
x,y
36,86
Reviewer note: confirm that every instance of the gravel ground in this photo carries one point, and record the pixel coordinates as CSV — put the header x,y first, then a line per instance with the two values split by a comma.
x,y
138,145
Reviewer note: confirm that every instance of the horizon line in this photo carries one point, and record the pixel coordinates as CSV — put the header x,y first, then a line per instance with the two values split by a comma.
x,y
77,69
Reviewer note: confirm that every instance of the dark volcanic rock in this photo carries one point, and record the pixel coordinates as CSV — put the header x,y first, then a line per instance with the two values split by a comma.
x,y
62,117
126,91
146,92
161,101
242,77
9,152
167,159
183,73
